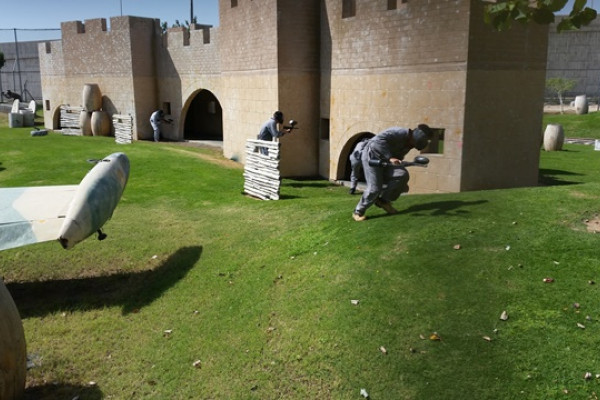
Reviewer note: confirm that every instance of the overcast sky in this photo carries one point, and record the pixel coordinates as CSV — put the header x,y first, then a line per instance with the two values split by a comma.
x,y
40,19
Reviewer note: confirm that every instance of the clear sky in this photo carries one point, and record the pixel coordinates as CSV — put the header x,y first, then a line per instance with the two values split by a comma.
x,y
27,15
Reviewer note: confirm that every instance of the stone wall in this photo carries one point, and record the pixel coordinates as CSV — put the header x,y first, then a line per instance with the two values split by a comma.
x,y
420,62
28,80
441,65
119,60
576,55
408,66
503,105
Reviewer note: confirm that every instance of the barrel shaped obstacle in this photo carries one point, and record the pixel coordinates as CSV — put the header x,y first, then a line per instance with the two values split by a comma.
x,y
92,97
554,137
581,104
13,360
85,122
100,123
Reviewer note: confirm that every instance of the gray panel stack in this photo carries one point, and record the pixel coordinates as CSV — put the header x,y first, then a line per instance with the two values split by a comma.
x,y
261,172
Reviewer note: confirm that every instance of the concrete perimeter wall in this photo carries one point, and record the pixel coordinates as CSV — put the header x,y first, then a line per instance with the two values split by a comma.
x,y
23,73
576,55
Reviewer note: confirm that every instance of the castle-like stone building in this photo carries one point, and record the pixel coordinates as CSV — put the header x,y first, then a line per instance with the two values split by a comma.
x,y
342,68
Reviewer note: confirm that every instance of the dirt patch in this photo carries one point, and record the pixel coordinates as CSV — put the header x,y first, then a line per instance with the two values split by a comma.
x,y
593,224
211,155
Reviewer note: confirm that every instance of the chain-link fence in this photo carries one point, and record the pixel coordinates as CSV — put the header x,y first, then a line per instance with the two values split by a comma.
x,y
20,75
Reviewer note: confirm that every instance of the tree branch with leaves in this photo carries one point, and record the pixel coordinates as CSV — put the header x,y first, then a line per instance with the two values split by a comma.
x,y
502,13
560,86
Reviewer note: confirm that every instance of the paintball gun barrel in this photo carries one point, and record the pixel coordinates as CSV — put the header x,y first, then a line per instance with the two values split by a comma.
x,y
419,161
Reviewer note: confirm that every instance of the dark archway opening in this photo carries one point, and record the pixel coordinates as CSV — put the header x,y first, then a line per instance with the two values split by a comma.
x,y
345,154
204,118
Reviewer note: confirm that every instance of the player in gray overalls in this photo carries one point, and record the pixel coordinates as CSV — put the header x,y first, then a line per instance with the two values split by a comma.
x,y
268,131
391,146
356,164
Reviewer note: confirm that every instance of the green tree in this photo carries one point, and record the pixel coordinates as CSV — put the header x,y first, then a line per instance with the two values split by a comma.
x,y
560,86
501,13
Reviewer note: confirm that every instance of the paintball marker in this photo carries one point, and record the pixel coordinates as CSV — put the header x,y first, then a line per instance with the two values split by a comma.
x,y
291,126
419,161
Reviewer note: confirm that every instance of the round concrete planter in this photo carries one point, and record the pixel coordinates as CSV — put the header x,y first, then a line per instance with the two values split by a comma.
x,y
581,104
100,123
13,360
85,123
554,137
92,97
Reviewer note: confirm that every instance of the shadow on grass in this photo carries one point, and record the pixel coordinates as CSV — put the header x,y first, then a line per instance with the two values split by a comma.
x,y
62,391
314,182
130,290
549,177
449,207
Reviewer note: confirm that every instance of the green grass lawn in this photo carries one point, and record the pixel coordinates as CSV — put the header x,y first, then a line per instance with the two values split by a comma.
x,y
260,291
577,126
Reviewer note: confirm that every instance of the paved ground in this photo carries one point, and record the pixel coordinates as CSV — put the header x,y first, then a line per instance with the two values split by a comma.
x,y
567,109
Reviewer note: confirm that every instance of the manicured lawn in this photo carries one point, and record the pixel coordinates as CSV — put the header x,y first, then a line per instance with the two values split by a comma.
x,y
260,293
577,126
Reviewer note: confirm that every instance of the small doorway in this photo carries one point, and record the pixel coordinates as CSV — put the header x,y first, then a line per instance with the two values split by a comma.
x,y
344,167
204,118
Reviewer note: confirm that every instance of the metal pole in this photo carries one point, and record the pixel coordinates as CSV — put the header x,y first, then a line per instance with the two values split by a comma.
x,y
13,75
121,8
191,12
18,62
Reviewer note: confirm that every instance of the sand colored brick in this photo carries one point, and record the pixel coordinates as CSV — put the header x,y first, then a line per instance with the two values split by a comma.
x,y
424,62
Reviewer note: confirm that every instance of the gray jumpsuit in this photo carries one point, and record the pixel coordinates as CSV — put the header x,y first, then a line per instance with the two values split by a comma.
x,y
391,143
267,132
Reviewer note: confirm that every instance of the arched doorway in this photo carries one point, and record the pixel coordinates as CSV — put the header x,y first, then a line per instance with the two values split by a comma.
x,y
204,118
56,118
344,167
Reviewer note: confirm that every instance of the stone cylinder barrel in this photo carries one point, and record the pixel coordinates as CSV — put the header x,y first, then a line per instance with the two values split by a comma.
x,y
92,97
13,350
100,123
554,137
85,123
581,104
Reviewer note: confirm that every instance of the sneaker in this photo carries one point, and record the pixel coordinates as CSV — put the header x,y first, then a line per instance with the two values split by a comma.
x,y
386,205
352,190
358,217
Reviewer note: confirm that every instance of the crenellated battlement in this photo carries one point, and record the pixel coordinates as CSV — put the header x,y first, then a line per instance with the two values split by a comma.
x,y
342,70
97,26
181,36
89,26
